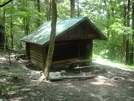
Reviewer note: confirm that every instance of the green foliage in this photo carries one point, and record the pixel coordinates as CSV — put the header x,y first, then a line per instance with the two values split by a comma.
x,y
4,73
118,28
108,16
2,86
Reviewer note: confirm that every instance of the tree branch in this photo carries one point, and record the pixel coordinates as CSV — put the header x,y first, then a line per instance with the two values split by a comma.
x,y
5,3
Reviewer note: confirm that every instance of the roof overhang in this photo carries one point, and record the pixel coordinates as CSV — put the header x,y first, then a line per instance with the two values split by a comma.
x,y
41,35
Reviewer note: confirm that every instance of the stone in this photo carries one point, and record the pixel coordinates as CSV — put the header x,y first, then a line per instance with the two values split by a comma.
x,y
25,89
54,74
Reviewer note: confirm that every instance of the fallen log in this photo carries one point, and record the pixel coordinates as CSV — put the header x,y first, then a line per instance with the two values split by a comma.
x,y
72,77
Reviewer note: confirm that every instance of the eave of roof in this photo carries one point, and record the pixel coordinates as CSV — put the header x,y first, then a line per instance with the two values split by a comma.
x,y
42,34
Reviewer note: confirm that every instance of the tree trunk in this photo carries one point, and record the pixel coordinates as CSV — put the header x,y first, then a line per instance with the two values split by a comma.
x,y
132,46
128,14
48,9
107,16
124,43
123,48
5,42
78,8
11,28
128,40
26,20
38,8
5,3
51,41
26,25
72,10
127,50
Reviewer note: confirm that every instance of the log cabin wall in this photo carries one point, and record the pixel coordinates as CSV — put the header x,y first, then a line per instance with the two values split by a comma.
x,y
27,50
36,55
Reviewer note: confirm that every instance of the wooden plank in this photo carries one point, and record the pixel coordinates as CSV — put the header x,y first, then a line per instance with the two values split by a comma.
x,y
62,61
91,36
35,52
72,77
37,63
37,48
80,61
37,58
64,43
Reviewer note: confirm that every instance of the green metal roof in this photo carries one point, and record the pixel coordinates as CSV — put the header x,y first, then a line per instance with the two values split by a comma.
x,y
42,34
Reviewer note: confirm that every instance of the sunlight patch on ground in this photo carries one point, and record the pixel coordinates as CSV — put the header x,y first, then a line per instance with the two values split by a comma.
x,y
2,58
112,64
100,80
69,85
101,83
17,98
106,62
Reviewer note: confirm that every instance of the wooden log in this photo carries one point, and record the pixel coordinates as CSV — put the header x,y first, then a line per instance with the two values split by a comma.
x,y
72,77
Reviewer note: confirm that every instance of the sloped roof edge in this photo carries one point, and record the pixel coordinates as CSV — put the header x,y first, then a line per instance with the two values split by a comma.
x,y
97,29
42,34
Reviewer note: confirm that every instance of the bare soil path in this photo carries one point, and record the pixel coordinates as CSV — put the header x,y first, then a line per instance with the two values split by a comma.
x,y
18,83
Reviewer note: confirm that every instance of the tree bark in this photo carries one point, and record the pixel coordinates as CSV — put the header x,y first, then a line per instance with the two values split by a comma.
x,y
26,20
132,46
38,8
107,16
11,32
51,41
26,26
48,9
78,8
128,14
124,36
72,10
3,23
128,40
5,3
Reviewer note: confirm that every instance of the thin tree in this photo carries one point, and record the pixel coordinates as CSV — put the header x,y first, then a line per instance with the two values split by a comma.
x,y
3,23
132,47
5,3
48,9
78,8
38,8
124,36
11,28
127,24
51,41
26,19
72,10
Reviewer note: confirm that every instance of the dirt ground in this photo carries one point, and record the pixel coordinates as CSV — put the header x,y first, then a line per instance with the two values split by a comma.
x,y
21,82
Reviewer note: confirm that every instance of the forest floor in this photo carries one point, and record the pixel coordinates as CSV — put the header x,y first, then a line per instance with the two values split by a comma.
x,y
21,82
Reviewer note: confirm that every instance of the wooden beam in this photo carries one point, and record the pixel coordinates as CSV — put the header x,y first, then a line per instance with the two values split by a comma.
x,y
72,77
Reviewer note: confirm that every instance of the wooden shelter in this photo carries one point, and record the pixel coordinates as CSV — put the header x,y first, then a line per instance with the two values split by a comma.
x,y
74,40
